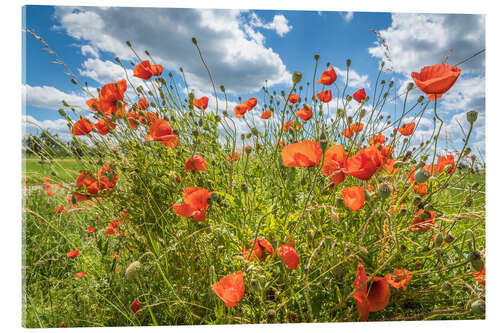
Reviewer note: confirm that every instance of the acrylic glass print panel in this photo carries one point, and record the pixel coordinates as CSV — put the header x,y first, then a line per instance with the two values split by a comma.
x,y
198,166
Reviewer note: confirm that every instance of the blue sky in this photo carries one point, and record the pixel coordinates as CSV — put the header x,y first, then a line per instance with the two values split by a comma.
x,y
244,48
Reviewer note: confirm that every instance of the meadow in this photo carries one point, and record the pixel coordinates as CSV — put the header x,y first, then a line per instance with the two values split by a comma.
x,y
324,214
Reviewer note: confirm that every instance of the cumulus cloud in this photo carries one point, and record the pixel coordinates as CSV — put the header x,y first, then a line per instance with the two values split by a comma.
x,y
236,59
347,16
279,24
417,40
48,97
89,50
356,80
58,126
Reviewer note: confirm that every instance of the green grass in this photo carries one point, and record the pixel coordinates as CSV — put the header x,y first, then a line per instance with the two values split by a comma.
x,y
62,170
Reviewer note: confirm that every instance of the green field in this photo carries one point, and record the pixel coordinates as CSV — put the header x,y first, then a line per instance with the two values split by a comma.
x,y
61,170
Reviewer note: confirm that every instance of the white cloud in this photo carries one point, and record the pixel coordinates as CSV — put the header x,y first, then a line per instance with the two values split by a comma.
x,y
356,80
417,40
279,24
236,59
347,16
48,97
89,50
58,126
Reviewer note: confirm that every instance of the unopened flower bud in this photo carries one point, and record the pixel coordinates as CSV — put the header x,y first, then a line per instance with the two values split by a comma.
x,y
362,113
244,188
410,86
478,307
471,116
384,191
348,62
195,42
132,270
420,99
449,238
316,57
391,84
438,240
296,77
476,261
348,98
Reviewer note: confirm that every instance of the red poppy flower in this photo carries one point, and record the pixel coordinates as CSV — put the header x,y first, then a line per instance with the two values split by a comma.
x,y
133,119
82,127
325,96
371,297
287,125
47,186
333,166
60,210
353,128
423,221
149,118
377,139
328,77
420,188
196,162
354,197
302,154
389,165
135,306
111,98
145,70
266,114
293,98
80,197
436,79
433,97
124,214
195,203
88,183
481,276
359,95
93,104
49,193
407,129
444,161
290,257
364,163
201,103
107,177
73,254
399,278
230,288
103,126
263,249
91,229
250,103
234,156
143,103
80,275
305,113
161,131
240,110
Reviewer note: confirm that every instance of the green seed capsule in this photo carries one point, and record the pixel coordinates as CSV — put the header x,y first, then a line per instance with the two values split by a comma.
x,y
438,240
422,175
132,270
476,261
478,307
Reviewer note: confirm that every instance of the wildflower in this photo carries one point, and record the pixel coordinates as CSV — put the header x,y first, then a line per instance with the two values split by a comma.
x,y
149,118
201,103
111,98
80,197
407,129
135,306
161,131
195,203
143,103
230,288
93,104
124,214
80,275
436,79
293,98
353,128
49,193
305,113
423,220
266,114
354,197
377,139
115,256
250,103
82,127
110,231
333,166
359,95
287,125
145,70
325,96
290,257
328,77
60,210
444,161
73,254
196,162
480,276
133,119
240,110
302,154
420,188
364,163
389,165
262,249
47,186
107,177
371,297
91,229
104,125
399,278
234,156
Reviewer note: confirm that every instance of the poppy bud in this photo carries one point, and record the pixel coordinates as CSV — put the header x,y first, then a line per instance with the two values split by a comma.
x,y
62,112
384,191
132,270
254,284
340,113
385,95
348,98
242,136
349,120
362,113
417,201
422,175
467,151
224,113
217,118
471,116
194,41
476,261
316,57
339,201
271,315
438,240
244,187
449,238
323,142
403,248
468,201
410,86
296,77
249,135
348,62
391,84
383,81
214,196
478,307
200,122
310,235
195,132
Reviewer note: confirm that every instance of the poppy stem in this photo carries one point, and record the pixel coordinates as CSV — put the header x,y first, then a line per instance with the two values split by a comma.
x,y
210,76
